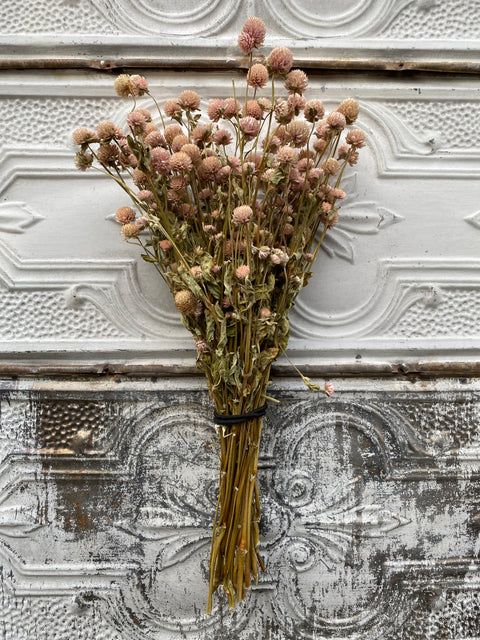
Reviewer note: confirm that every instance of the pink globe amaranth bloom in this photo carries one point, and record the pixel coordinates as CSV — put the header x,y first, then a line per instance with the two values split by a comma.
x,y
179,141
160,160
171,131
180,161
356,138
202,133
242,214
242,272
329,389
165,245
140,178
286,155
304,164
202,346
246,42
139,85
338,193
172,108
331,166
106,130
298,132
296,81
296,102
256,30
320,145
209,167
326,207
124,215
145,194
223,173
265,313
336,120
257,76
222,137
123,85
253,109
83,135
155,139
280,60
231,108
236,164
215,109
141,223
249,126
129,230
137,120
83,160
314,110
193,151
323,130
350,110
189,100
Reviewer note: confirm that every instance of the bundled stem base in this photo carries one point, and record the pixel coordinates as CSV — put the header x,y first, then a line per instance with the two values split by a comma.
x,y
234,557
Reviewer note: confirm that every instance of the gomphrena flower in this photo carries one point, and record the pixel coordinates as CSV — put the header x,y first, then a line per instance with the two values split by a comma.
x,y
139,85
280,60
123,85
160,160
172,108
242,272
129,230
252,35
242,214
257,76
83,135
189,100
350,110
180,161
125,215
106,130
356,138
249,126
296,81
337,120
186,302
331,166
298,132
215,109
314,110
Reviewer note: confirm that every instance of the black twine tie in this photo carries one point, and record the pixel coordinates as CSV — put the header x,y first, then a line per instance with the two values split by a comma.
x,y
240,417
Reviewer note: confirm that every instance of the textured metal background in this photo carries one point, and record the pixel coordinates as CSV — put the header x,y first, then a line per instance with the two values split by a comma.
x,y
371,499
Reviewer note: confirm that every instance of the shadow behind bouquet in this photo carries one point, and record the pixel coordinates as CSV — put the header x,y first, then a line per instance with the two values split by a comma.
x,y
232,212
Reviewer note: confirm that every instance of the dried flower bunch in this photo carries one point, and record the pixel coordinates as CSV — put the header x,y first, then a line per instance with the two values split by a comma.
x,y
231,209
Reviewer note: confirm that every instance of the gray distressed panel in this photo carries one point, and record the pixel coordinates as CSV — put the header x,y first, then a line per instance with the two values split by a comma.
x,y
370,506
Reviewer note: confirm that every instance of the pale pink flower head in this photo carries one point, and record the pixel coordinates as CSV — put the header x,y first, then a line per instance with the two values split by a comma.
x,y
253,109
283,112
189,100
106,130
298,132
136,121
145,194
193,151
160,160
179,141
249,126
215,109
222,137
155,139
83,135
242,214
356,138
265,313
202,134
236,165
139,85
172,108
202,346
141,223
296,102
350,110
296,81
180,161
338,193
129,230
171,131
125,215
280,60
83,160
336,120
231,107
320,145
252,35
209,167
123,85
257,76
107,154
165,245
265,104
331,166
314,110
286,155
242,272
323,130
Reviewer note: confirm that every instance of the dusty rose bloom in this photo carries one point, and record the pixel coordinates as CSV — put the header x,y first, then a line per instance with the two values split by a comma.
x,y
323,130
172,108
141,223
296,102
231,107
145,195
338,193
83,160
171,131
165,245
137,120
265,313
177,182
356,138
253,109
298,132
160,160
350,110
256,29
193,151
329,389
235,163
107,154
286,155
202,346
336,120
139,85
257,76
180,161
326,207
296,81
242,272
331,166
125,215
320,145
210,166
249,126
140,178
179,141
154,139
280,60
215,109
122,85
83,135
202,134
246,42
222,137
189,100
106,130
242,214
265,104
129,230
